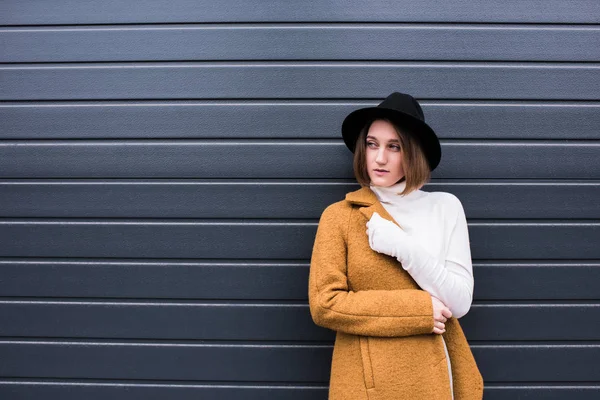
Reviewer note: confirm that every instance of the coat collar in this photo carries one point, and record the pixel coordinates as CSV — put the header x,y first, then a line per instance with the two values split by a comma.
x,y
366,198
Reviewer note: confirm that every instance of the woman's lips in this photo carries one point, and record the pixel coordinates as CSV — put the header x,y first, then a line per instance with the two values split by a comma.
x,y
380,172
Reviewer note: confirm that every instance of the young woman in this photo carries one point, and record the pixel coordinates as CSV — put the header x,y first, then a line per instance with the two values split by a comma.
x,y
391,267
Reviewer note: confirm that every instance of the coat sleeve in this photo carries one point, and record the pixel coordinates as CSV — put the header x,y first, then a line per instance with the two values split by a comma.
x,y
386,313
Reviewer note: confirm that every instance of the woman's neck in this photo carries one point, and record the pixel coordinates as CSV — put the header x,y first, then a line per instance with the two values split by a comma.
x,y
392,194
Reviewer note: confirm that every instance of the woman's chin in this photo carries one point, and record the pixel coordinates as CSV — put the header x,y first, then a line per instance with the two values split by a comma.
x,y
381,181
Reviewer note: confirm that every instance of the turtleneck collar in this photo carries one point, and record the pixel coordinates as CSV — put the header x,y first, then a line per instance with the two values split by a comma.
x,y
391,194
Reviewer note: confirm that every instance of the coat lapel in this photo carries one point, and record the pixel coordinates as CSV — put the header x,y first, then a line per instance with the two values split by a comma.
x,y
370,204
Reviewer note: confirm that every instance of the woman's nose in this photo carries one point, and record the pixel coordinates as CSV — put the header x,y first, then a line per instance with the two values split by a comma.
x,y
380,159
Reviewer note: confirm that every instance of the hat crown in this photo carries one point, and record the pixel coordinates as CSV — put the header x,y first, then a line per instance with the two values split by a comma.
x,y
403,102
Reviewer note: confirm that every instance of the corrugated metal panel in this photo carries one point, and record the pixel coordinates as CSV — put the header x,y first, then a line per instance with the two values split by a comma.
x,y
154,165
149,360
159,390
100,390
279,322
283,239
287,119
228,279
283,159
111,198
15,12
301,42
300,80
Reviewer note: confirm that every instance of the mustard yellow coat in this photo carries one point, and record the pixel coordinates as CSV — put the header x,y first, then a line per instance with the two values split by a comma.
x,y
385,347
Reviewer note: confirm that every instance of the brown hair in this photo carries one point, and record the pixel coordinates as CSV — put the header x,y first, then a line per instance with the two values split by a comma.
x,y
414,162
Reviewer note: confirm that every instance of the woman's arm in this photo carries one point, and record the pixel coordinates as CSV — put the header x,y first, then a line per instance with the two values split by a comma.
x,y
450,281
370,313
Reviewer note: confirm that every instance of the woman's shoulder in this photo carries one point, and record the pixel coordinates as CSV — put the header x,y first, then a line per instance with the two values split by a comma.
x,y
335,218
337,209
447,200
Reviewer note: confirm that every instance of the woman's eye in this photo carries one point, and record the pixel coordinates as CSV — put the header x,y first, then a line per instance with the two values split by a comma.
x,y
395,147
371,144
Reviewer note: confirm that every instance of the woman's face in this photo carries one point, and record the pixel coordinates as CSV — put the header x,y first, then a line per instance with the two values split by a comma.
x,y
384,154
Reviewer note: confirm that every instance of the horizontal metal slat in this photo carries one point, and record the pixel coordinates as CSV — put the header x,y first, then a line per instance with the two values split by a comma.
x,y
308,80
286,119
303,363
272,321
267,240
301,42
117,390
292,199
281,159
15,12
536,281
160,390
264,280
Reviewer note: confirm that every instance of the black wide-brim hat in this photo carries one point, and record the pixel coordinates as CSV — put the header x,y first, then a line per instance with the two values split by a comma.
x,y
404,111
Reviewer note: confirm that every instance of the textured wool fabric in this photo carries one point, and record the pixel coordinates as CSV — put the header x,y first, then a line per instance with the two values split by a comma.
x,y
385,347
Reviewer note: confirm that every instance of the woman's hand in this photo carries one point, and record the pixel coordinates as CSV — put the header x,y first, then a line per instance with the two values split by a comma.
x,y
386,237
441,313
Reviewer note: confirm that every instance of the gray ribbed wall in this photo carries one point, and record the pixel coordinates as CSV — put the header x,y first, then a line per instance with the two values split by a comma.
x,y
163,165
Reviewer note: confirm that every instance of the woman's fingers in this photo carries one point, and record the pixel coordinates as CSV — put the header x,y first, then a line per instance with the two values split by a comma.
x,y
438,330
439,327
440,308
446,312
441,316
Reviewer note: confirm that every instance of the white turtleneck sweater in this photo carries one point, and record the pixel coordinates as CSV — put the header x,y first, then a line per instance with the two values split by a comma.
x,y
436,220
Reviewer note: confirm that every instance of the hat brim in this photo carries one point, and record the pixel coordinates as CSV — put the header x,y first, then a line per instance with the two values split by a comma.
x,y
422,132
